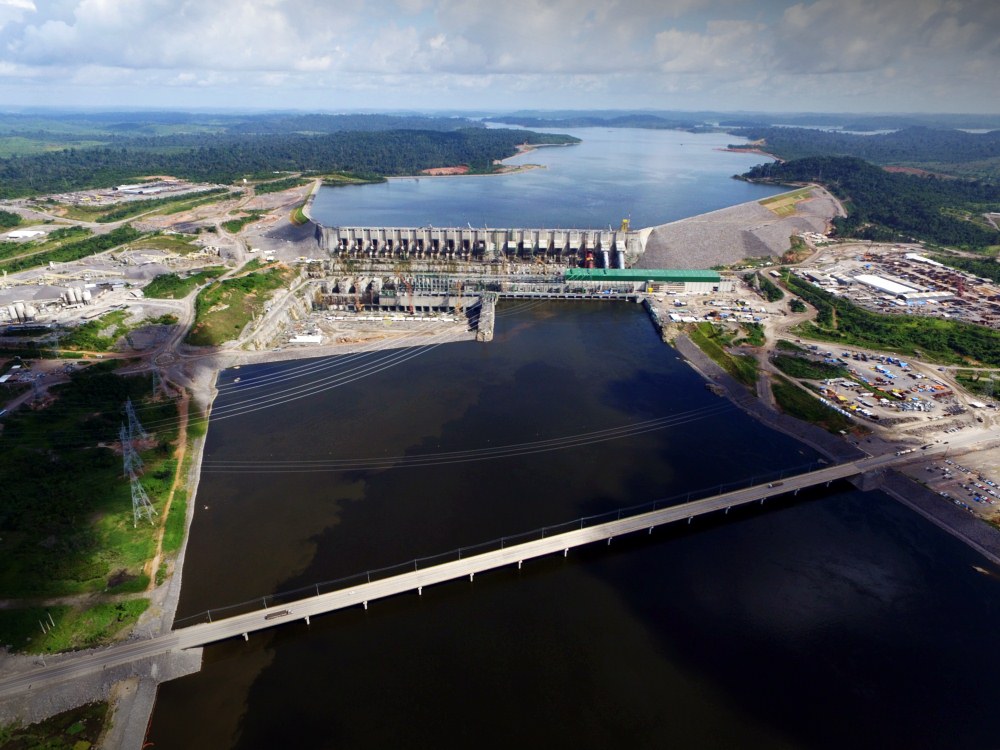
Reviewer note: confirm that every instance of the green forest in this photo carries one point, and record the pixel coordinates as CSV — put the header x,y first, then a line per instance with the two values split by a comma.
x,y
938,150
885,206
935,339
226,158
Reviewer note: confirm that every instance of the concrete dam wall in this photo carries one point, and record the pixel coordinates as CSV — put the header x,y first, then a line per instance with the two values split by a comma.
x,y
601,248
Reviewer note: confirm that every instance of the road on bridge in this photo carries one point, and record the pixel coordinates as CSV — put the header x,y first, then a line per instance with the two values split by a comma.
x,y
243,625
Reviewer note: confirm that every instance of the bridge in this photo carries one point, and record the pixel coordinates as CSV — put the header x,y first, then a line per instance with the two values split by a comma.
x,y
607,248
370,588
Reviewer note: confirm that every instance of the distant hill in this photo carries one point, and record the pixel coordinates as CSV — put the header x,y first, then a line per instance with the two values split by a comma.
x,y
886,206
652,122
935,150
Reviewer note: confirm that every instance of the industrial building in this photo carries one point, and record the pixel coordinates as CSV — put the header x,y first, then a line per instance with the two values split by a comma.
x,y
653,280
882,284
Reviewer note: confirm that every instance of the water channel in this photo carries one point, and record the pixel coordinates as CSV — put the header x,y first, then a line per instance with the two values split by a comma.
x,y
840,619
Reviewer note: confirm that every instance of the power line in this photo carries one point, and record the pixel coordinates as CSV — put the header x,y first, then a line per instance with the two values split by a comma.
x,y
445,458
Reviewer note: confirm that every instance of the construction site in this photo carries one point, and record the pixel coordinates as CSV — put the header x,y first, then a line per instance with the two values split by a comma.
x,y
903,279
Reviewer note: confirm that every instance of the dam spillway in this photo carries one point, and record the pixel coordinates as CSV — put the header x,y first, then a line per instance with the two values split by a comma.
x,y
603,248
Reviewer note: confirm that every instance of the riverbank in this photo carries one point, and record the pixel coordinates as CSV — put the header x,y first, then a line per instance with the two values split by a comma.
x,y
975,533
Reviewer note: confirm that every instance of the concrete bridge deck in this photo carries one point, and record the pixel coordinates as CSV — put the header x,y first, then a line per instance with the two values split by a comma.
x,y
415,581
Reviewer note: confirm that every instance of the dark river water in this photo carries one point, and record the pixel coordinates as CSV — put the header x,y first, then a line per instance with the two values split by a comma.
x,y
840,620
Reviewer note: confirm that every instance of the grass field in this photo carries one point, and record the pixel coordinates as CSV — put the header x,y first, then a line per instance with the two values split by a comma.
x,y
16,145
840,321
784,205
223,309
712,340
172,286
235,226
75,627
797,403
979,383
799,367
52,241
66,521
77,729
182,244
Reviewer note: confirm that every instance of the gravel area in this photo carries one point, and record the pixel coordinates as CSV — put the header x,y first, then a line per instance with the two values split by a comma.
x,y
729,235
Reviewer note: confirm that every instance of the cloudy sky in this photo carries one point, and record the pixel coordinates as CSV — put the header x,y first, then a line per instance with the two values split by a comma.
x,y
771,55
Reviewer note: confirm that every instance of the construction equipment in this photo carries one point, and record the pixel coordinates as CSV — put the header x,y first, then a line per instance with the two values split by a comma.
x,y
625,224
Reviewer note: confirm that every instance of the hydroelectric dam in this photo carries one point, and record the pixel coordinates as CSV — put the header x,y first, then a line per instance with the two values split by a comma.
x,y
592,248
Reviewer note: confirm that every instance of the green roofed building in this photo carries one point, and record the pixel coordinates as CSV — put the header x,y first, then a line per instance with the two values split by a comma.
x,y
666,280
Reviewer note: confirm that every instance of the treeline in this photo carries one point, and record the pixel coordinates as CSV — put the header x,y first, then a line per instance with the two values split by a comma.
x,y
71,126
982,267
914,147
134,208
276,186
885,207
224,159
76,250
866,123
942,340
650,122
314,123
9,220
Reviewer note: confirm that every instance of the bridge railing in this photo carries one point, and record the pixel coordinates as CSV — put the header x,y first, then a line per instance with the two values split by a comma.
x,y
281,598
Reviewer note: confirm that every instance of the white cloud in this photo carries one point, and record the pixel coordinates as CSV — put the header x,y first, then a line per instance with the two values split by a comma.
x,y
640,53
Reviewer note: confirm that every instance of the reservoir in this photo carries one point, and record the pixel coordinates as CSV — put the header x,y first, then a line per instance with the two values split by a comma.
x,y
840,619
650,176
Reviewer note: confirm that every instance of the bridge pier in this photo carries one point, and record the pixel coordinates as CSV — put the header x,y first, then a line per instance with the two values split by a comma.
x,y
471,576
566,552
420,590
519,564
365,603
246,637
307,620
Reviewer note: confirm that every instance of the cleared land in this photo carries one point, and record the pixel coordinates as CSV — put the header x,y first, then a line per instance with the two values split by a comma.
x,y
786,204
727,236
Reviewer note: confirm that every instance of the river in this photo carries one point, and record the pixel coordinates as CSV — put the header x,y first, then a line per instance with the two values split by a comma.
x,y
650,176
839,619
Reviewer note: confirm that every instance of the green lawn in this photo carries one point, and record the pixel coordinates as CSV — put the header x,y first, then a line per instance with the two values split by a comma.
x,y
172,286
76,729
953,342
712,340
223,309
66,521
75,628
794,401
799,367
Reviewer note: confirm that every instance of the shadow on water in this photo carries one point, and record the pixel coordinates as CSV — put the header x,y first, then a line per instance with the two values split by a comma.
x,y
817,623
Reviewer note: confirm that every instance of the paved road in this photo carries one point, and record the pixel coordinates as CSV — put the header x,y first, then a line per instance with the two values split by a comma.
x,y
242,625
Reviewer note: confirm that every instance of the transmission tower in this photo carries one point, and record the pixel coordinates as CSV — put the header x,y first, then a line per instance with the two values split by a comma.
x,y
132,463
140,503
134,427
